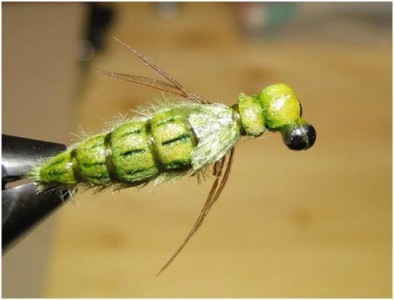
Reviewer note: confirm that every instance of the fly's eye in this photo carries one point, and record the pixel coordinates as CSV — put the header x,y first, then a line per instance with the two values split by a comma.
x,y
299,137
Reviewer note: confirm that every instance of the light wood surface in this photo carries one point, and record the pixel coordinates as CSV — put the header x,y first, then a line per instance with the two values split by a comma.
x,y
288,224
38,82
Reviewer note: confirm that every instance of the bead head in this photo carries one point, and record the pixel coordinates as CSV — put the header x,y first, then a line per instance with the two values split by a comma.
x,y
299,136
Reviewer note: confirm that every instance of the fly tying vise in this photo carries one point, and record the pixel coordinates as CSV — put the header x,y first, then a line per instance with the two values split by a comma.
x,y
175,139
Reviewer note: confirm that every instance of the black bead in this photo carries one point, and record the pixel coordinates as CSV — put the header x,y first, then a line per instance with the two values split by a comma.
x,y
299,137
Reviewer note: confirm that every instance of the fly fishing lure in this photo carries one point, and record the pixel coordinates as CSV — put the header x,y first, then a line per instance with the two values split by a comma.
x,y
175,139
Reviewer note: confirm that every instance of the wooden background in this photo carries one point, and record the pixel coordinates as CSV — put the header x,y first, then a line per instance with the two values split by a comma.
x,y
289,224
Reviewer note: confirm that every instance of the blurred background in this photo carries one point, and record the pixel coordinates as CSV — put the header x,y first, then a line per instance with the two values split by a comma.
x,y
288,224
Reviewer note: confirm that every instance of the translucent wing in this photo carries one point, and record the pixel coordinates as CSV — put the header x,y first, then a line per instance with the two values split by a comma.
x,y
214,194
173,86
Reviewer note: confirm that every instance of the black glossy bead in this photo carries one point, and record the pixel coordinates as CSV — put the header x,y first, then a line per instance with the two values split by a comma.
x,y
299,137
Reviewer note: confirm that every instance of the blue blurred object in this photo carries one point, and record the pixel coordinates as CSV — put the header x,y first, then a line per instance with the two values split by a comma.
x,y
264,19
167,10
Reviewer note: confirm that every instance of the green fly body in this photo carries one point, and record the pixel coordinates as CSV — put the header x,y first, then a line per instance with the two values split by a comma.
x,y
174,139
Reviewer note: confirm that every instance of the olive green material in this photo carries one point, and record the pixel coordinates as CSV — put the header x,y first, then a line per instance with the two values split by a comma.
x,y
58,169
173,140
133,153
91,161
251,113
280,105
176,137
132,158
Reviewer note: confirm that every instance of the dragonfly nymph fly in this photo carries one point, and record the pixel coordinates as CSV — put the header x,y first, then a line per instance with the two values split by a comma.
x,y
175,139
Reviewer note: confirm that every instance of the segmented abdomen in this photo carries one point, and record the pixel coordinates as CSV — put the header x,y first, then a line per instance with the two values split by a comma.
x,y
133,153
